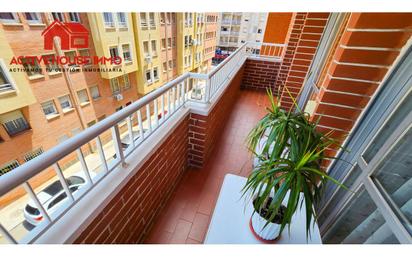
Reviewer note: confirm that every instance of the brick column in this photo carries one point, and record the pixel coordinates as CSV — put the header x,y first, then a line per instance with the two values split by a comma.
x,y
367,49
304,39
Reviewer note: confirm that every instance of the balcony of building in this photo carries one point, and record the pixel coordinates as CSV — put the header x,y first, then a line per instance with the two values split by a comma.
x,y
158,165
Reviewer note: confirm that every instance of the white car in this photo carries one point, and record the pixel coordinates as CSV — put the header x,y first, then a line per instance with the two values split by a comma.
x,y
52,197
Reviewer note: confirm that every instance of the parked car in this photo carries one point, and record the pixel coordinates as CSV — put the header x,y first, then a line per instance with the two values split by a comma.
x,y
52,197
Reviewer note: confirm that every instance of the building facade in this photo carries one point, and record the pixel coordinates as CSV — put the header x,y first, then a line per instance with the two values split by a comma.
x,y
237,28
44,106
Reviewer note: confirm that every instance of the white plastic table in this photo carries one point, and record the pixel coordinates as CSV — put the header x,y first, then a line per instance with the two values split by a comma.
x,y
230,220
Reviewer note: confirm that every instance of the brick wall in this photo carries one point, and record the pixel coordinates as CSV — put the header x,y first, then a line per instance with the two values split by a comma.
x,y
205,130
304,39
259,74
369,45
129,215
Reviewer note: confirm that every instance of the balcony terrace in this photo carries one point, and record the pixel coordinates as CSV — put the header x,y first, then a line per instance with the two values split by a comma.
x,y
175,130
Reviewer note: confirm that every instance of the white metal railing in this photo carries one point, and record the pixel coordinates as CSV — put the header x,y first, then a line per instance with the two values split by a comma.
x,y
138,121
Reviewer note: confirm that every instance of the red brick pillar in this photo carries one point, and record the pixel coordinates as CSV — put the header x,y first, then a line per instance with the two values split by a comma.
x,y
304,38
367,49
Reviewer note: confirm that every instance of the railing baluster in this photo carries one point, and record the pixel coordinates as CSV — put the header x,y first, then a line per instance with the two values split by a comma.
x,y
148,118
178,94
117,144
101,154
169,112
139,120
130,130
173,100
36,200
63,181
187,89
156,113
7,235
80,156
183,92
162,108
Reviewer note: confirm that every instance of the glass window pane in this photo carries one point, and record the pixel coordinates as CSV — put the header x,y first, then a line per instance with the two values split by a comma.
x,y
394,177
388,128
360,223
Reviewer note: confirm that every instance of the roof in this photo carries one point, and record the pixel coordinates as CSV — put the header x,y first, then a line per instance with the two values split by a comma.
x,y
70,27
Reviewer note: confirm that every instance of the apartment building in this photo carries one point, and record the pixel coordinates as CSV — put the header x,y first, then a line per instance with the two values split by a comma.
x,y
40,108
237,28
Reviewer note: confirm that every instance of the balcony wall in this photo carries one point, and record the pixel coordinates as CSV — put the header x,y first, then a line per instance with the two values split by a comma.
x,y
130,213
261,74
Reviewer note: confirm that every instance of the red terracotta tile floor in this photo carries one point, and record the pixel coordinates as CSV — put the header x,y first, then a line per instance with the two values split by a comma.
x,y
187,214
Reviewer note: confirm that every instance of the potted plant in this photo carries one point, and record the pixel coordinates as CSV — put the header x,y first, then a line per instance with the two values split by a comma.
x,y
288,173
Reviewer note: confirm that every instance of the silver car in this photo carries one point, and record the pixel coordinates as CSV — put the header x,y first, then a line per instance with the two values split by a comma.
x,y
52,197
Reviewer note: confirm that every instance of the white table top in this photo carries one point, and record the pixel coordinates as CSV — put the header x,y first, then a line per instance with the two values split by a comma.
x,y
230,220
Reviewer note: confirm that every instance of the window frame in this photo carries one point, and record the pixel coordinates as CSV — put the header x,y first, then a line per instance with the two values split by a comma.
x,y
51,104
79,98
92,94
15,20
108,24
65,109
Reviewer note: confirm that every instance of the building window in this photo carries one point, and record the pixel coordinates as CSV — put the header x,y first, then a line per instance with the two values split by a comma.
x,y
174,42
259,31
152,20
170,64
14,122
5,84
33,18
164,66
162,18
148,76
108,19
65,103
126,81
71,55
121,20
114,86
169,42
168,18
127,55
74,16
155,74
85,53
51,64
94,92
174,63
173,17
58,16
83,97
146,48
8,167
163,43
154,48
143,20
91,123
31,67
9,17
49,109
33,154
186,41
114,52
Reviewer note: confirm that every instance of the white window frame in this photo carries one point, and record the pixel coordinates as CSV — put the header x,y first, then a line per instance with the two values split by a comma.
x,y
68,99
60,16
86,94
114,86
130,59
52,104
15,19
149,81
126,81
76,17
155,78
9,86
109,22
117,51
153,51
94,89
37,15
122,24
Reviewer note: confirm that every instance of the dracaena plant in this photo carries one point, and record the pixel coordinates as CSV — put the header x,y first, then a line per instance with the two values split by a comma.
x,y
289,161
